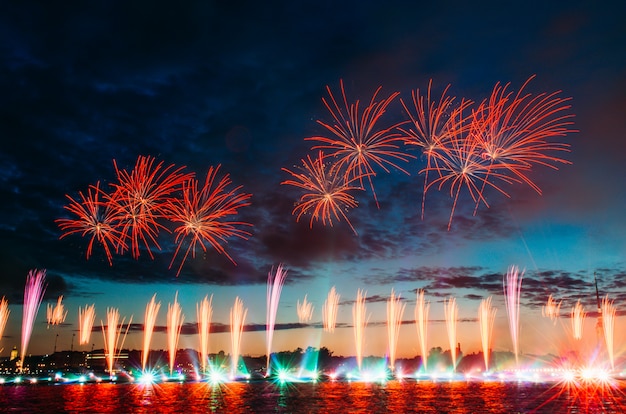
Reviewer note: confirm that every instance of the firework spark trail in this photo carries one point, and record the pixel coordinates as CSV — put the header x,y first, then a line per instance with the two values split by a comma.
x,y
141,197
33,295
237,319
515,129
152,310
451,314
512,286
274,287
551,309
360,317
421,321
204,215
395,311
175,320
431,128
357,143
608,322
204,312
86,319
329,311
56,314
305,310
96,219
486,318
464,168
112,335
4,314
327,191
578,320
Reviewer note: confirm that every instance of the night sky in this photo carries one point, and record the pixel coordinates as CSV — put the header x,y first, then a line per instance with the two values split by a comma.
x,y
240,84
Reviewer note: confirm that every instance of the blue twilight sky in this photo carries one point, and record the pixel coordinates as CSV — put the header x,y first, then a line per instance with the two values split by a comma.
x,y
241,84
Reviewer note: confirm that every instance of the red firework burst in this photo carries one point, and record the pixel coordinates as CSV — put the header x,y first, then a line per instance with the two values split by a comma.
x,y
95,219
431,127
204,214
139,199
464,167
357,141
326,191
515,130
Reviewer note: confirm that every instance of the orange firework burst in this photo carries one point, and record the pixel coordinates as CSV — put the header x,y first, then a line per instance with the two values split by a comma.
x,y
140,197
430,127
203,215
327,191
94,218
357,142
463,167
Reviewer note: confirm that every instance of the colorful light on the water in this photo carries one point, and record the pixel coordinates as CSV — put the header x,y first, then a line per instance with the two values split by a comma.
x,y
360,319
237,319
512,285
4,314
486,318
112,335
451,311
274,287
551,309
304,310
56,314
578,318
608,322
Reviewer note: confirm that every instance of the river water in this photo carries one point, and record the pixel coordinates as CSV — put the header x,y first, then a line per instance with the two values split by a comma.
x,y
322,397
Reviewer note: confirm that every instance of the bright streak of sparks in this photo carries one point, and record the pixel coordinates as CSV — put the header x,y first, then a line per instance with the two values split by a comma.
x,y
578,319
56,314
451,311
237,319
86,319
512,285
152,310
486,318
112,335
175,319
204,311
395,311
33,295
421,320
329,311
4,314
551,309
360,318
274,288
608,322
305,310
